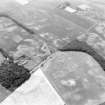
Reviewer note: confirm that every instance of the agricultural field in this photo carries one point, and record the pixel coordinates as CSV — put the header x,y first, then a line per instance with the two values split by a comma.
x,y
46,52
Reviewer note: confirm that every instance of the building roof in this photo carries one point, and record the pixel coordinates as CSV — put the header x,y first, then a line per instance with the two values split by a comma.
x,y
69,9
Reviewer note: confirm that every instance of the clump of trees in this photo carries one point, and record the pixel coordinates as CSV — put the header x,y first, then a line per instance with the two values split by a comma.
x,y
12,75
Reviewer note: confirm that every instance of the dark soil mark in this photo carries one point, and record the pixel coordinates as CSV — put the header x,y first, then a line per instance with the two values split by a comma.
x,y
12,75
81,46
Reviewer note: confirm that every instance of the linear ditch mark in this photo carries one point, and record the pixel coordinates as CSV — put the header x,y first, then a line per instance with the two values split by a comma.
x,y
17,23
